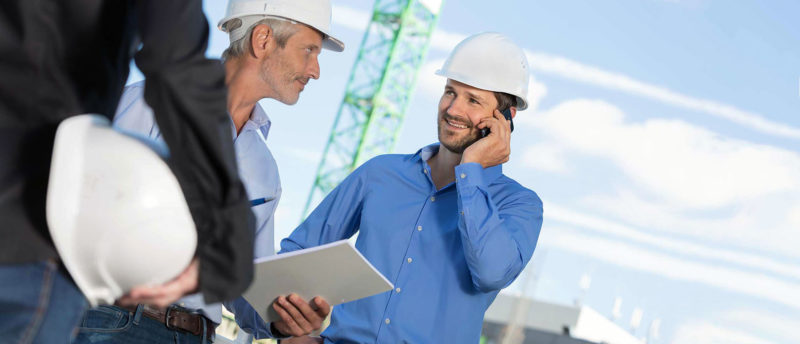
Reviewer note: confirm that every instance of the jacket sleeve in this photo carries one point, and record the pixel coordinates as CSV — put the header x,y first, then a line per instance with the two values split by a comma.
x,y
188,96
498,236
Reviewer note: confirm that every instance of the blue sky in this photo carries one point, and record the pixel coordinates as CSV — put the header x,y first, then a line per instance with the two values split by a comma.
x,y
663,139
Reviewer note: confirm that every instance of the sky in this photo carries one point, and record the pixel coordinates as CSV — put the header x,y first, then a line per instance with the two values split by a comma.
x,y
663,137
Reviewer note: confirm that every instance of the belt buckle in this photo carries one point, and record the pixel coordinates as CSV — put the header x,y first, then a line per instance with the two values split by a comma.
x,y
167,317
199,325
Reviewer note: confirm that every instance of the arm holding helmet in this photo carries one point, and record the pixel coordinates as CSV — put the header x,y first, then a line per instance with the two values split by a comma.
x,y
187,94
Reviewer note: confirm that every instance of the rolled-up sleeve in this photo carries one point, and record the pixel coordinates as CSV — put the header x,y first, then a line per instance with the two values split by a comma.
x,y
188,96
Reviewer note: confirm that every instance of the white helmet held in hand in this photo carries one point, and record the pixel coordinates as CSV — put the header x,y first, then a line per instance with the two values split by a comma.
x,y
314,13
115,211
492,62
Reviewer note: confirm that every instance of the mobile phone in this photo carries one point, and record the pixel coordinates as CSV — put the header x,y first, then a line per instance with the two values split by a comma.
x,y
507,114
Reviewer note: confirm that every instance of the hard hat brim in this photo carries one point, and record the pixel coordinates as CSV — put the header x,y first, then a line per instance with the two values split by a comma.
x,y
522,104
328,42
332,44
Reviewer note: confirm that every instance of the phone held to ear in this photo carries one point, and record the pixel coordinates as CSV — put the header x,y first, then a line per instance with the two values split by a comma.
x,y
507,114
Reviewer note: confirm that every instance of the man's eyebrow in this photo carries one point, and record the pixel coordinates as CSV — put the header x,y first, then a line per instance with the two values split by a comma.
x,y
476,96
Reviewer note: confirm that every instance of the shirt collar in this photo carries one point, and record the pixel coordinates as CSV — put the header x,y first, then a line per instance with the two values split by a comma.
x,y
258,120
425,153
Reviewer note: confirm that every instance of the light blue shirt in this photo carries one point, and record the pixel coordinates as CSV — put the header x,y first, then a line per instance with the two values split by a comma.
x,y
448,252
257,170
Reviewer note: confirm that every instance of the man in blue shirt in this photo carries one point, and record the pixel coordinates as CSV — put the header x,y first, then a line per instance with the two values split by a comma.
x,y
444,225
273,54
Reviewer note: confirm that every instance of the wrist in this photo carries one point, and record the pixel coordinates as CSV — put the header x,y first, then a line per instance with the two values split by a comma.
x,y
467,159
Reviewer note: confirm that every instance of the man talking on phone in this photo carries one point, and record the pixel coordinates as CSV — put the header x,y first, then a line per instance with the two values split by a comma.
x,y
444,225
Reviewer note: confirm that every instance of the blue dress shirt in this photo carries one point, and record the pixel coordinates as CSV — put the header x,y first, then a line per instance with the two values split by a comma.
x,y
257,170
448,251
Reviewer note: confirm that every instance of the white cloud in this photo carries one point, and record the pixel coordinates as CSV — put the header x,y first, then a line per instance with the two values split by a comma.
x,y
442,40
739,326
779,326
764,223
701,332
445,40
349,17
793,216
686,165
429,83
547,157
753,284
555,212
536,92
679,178
576,71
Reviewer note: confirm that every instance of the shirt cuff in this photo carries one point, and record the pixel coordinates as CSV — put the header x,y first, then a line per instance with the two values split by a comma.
x,y
470,174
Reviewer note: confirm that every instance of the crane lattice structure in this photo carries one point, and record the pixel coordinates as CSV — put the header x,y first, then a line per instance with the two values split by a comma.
x,y
377,95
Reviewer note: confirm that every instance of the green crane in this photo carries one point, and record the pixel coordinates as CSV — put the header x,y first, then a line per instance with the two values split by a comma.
x,y
379,90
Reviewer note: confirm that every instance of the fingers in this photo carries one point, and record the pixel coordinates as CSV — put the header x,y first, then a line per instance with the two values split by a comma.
x,y
299,317
496,124
506,124
307,312
323,308
299,325
287,325
158,296
163,295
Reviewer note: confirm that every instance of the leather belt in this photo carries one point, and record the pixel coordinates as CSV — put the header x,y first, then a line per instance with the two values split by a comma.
x,y
178,318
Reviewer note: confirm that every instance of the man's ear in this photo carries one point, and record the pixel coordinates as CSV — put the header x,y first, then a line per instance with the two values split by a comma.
x,y
261,40
513,110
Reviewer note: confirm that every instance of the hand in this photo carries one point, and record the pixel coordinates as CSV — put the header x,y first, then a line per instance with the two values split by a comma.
x,y
303,340
495,148
299,318
164,295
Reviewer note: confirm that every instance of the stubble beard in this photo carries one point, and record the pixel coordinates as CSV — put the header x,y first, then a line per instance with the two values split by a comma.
x,y
282,84
453,144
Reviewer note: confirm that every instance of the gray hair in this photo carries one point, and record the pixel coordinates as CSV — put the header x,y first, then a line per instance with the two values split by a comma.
x,y
282,30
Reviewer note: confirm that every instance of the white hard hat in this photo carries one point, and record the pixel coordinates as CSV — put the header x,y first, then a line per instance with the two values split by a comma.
x,y
115,211
492,62
314,13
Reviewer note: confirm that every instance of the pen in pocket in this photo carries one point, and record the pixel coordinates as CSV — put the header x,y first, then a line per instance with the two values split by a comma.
x,y
260,201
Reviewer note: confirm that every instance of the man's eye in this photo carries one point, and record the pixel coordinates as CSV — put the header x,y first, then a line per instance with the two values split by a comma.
x,y
473,101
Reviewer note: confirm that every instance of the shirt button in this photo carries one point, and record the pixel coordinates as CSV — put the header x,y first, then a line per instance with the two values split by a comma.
x,y
387,321
425,171
463,176
409,259
398,290
419,228
433,199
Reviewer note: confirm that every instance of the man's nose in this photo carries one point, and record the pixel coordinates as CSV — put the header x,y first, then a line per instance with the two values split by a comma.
x,y
454,108
314,71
